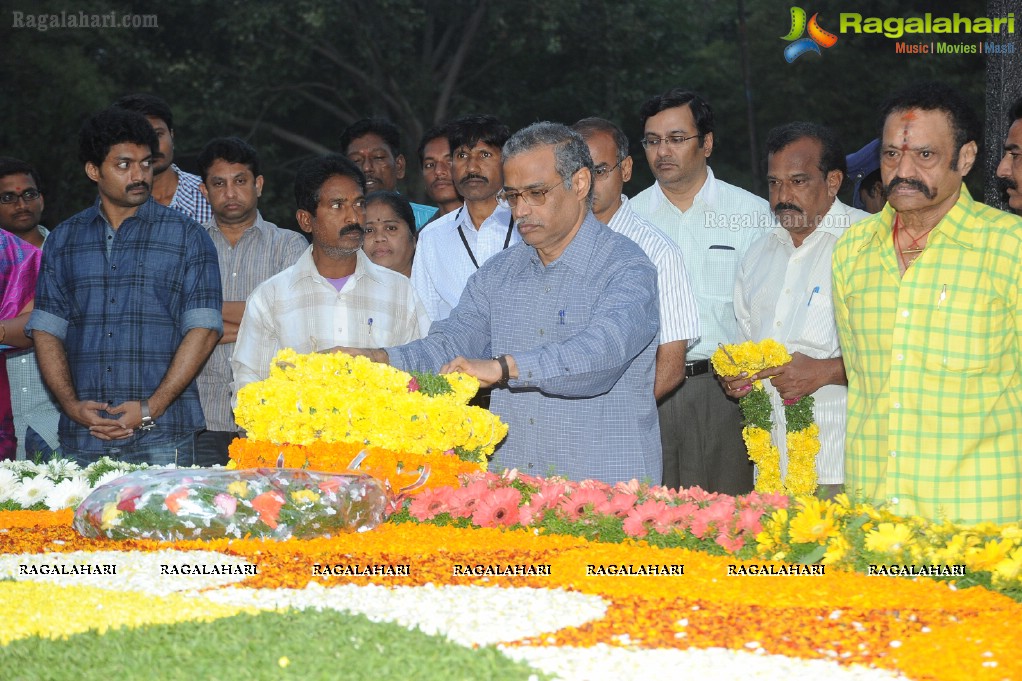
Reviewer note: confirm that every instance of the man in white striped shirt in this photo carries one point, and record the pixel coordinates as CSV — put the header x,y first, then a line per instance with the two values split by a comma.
x,y
334,295
679,314
783,289
714,223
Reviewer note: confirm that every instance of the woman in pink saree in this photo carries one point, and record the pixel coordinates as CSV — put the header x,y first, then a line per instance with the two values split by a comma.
x,y
19,268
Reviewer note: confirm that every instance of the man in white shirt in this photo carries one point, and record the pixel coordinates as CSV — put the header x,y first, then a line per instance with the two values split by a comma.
x,y
783,289
334,295
679,314
454,246
714,223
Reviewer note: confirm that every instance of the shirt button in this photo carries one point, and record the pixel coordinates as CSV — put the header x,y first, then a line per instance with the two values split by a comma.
x,y
112,300
113,267
897,405
904,313
109,334
900,357
788,291
532,422
234,274
894,500
893,453
109,370
778,325
541,332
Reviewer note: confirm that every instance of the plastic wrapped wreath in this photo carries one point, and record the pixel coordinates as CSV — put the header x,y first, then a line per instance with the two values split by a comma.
x,y
276,503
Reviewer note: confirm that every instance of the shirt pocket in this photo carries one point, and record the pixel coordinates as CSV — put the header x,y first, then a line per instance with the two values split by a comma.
x,y
722,270
967,332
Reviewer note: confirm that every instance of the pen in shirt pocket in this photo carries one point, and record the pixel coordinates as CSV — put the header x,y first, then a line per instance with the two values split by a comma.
x,y
811,294
942,297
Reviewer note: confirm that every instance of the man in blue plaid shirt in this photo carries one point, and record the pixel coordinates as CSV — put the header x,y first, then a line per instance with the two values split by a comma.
x,y
127,308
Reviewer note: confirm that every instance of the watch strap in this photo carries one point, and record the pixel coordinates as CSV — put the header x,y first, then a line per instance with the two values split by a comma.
x,y
505,370
147,417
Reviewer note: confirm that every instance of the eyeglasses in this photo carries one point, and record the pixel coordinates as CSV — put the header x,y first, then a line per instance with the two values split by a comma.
x,y
532,197
601,171
670,140
28,196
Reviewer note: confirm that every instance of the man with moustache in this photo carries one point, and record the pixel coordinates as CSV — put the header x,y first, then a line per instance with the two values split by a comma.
x,y
374,145
127,308
334,295
563,326
454,246
34,409
783,290
1009,170
250,250
436,160
926,296
714,223
172,186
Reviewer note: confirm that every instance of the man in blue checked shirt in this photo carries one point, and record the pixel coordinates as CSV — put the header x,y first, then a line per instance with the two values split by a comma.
x,y
127,308
570,319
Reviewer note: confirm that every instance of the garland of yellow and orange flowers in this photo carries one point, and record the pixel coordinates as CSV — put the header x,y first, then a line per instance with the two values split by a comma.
x,y
803,435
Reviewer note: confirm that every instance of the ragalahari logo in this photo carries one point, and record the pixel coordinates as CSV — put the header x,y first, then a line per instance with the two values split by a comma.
x,y
817,36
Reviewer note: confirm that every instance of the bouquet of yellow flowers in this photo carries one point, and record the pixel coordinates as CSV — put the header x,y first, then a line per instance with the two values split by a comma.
x,y
803,435
340,398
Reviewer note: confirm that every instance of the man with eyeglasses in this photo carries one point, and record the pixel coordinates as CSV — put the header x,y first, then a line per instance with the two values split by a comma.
x,y
334,294
714,223
34,410
569,318
679,315
453,247
1009,170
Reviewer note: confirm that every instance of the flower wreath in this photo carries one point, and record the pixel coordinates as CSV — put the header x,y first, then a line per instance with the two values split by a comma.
x,y
803,435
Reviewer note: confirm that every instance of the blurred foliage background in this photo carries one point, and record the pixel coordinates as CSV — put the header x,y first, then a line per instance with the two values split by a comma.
x,y
290,76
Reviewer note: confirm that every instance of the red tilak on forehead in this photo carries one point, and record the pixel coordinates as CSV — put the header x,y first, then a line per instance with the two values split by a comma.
x,y
908,116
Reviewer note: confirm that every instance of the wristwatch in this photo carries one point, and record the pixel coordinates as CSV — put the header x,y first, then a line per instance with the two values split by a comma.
x,y
147,419
505,370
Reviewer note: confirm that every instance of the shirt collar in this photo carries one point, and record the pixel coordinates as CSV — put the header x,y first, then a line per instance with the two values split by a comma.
x,y
579,252
261,226
952,225
835,223
305,268
145,212
707,194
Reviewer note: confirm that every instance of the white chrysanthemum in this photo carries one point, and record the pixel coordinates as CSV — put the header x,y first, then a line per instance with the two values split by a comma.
x,y
68,493
32,491
9,483
109,476
61,469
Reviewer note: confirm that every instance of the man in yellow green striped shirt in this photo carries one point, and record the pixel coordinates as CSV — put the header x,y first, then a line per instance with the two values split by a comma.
x,y
928,303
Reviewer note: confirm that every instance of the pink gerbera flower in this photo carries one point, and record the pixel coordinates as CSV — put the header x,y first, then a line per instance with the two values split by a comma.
x,y
574,506
431,503
619,504
730,544
498,508
650,513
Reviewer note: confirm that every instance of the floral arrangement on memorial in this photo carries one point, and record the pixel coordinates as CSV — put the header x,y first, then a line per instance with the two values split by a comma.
x,y
339,398
276,503
55,484
803,435
769,526
396,469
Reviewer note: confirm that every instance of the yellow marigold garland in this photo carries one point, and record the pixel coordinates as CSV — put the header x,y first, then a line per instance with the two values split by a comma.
x,y
340,398
803,435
